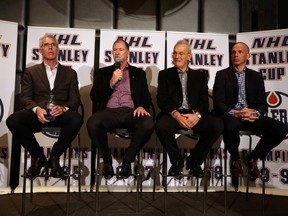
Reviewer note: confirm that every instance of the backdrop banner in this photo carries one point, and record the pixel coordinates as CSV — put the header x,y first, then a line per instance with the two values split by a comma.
x,y
76,49
147,51
152,51
8,48
269,56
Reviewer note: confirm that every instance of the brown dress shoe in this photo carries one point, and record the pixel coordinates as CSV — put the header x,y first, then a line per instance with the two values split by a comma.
x,y
36,165
236,168
253,170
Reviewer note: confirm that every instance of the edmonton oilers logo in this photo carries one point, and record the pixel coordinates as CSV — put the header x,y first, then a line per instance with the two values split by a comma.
x,y
276,99
278,105
1,110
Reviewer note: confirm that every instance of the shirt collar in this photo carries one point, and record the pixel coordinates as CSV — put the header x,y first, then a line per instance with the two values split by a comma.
x,y
181,71
48,67
241,72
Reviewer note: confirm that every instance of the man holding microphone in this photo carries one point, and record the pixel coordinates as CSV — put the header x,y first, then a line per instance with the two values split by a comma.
x,y
121,97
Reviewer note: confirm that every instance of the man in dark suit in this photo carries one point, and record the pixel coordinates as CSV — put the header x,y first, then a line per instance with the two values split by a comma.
x,y
183,99
120,94
239,99
38,83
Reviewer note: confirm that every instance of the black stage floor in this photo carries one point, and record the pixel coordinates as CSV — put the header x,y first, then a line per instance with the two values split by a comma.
x,y
124,203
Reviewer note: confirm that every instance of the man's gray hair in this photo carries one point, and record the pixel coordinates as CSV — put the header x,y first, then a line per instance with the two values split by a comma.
x,y
184,42
47,35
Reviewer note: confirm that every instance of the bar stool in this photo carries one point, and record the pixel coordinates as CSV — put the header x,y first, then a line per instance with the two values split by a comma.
x,y
190,134
235,180
54,132
137,174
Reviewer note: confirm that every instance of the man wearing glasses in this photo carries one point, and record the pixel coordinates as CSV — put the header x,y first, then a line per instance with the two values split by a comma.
x,y
39,82
183,99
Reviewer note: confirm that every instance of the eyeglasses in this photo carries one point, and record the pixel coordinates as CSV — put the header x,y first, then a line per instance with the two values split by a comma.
x,y
47,45
174,54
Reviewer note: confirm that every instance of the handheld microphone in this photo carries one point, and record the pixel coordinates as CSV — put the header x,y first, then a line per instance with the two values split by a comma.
x,y
118,66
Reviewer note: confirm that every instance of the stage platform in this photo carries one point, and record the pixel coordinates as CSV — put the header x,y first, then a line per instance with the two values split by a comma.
x,y
51,201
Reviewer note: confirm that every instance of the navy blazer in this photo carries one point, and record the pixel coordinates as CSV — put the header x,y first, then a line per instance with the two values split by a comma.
x,y
225,91
36,89
169,95
101,90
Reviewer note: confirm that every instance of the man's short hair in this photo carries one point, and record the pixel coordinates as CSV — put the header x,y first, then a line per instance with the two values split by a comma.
x,y
49,36
184,42
119,40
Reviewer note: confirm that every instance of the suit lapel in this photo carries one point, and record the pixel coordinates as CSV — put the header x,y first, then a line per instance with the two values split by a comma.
x,y
59,76
175,79
190,81
131,78
233,80
248,83
43,76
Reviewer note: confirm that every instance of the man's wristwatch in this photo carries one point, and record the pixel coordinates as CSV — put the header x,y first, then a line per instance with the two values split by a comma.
x,y
198,115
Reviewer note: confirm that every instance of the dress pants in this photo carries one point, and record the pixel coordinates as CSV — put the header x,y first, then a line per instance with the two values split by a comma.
x,y
24,123
105,120
209,128
272,133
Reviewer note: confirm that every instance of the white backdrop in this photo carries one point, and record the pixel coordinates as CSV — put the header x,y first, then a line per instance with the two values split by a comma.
x,y
269,55
210,51
8,49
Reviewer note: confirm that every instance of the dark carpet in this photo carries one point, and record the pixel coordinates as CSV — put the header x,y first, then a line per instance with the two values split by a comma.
x,y
125,203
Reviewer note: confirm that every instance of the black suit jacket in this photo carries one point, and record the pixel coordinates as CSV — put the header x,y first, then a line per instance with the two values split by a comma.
x,y
169,95
101,90
225,91
36,89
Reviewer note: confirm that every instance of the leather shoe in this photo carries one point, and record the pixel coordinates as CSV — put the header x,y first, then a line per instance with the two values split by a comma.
x,y
196,171
253,170
56,170
236,168
125,170
108,171
176,168
36,165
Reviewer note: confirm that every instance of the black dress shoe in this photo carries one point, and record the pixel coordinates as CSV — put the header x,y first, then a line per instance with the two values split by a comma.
x,y
56,170
108,171
36,165
196,171
125,170
176,168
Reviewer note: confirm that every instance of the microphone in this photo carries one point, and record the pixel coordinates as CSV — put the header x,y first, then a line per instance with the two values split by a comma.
x,y
118,66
